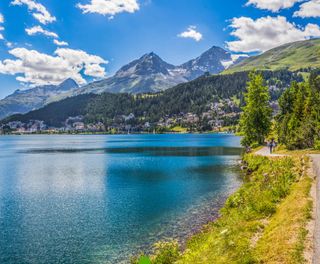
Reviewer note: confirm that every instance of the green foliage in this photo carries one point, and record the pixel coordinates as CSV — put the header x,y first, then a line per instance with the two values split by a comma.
x,y
144,260
298,123
317,144
140,260
255,120
166,252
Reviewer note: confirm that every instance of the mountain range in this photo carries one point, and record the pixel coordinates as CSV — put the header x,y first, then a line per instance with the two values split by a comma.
x,y
150,74
203,96
147,74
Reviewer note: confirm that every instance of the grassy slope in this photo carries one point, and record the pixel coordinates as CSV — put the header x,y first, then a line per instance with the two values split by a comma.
x,y
293,56
263,222
287,227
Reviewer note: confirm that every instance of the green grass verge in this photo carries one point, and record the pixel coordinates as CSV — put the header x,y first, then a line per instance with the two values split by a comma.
x,y
263,222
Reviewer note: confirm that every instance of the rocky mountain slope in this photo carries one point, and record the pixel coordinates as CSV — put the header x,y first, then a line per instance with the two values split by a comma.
x,y
23,101
150,73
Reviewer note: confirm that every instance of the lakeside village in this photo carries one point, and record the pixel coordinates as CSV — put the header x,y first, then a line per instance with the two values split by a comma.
x,y
219,118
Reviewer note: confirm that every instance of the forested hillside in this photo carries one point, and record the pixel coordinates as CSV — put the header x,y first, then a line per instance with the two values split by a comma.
x,y
195,97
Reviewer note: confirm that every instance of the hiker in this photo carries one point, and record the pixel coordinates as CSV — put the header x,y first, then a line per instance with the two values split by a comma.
x,y
272,145
248,149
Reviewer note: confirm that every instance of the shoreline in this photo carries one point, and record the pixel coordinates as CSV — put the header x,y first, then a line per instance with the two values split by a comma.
x,y
253,237
119,134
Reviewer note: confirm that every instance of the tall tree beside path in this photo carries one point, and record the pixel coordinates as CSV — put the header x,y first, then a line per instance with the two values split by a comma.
x,y
298,123
255,122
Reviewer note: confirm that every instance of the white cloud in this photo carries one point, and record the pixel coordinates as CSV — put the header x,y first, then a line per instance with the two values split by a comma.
x,y
9,44
110,7
1,18
234,58
192,33
266,33
39,11
91,63
60,43
273,5
309,9
35,68
39,30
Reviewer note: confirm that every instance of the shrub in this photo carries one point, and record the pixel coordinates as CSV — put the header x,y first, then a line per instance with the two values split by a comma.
x,y
166,252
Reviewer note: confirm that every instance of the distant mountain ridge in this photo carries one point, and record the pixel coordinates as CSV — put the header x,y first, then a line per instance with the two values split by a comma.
x,y
150,73
215,60
23,101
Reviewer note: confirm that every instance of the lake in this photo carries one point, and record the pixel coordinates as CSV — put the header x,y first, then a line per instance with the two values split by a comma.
x,y
100,199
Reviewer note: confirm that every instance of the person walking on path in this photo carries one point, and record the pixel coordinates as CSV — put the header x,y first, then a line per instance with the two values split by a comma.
x,y
272,145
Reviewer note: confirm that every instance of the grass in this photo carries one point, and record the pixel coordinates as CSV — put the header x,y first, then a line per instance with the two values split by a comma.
x,y
263,222
296,152
179,129
293,56
287,228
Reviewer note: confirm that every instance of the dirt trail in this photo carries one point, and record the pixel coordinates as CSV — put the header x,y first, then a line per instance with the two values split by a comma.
x,y
266,152
316,197
316,168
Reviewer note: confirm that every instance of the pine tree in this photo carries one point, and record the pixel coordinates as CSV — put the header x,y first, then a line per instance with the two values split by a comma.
x,y
255,120
298,123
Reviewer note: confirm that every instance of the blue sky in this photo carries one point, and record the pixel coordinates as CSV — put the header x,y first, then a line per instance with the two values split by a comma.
x,y
103,35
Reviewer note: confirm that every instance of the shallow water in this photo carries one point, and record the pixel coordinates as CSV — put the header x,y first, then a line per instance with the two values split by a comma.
x,y
100,199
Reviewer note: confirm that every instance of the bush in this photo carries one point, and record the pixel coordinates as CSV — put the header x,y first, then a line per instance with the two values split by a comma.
x,y
166,252
317,145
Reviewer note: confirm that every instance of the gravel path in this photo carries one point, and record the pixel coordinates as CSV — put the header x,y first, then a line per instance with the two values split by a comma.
x,y
265,151
316,167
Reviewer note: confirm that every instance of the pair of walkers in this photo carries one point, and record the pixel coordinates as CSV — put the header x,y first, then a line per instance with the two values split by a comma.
x,y
272,144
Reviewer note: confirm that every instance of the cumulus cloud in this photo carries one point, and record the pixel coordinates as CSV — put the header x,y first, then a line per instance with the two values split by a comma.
x,y
273,5
266,33
38,11
39,30
34,68
60,43
192,33
91,63
309,9
110,7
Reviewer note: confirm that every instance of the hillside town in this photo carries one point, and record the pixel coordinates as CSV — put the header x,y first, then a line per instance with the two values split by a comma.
x,y
218,116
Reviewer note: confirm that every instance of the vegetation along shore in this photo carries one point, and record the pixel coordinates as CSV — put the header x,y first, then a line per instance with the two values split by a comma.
x,y
271,218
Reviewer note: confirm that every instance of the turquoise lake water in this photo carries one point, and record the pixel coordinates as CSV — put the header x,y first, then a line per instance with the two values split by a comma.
x,y
100,199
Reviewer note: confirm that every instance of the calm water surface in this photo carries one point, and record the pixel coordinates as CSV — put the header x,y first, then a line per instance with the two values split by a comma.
x,y
100,199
